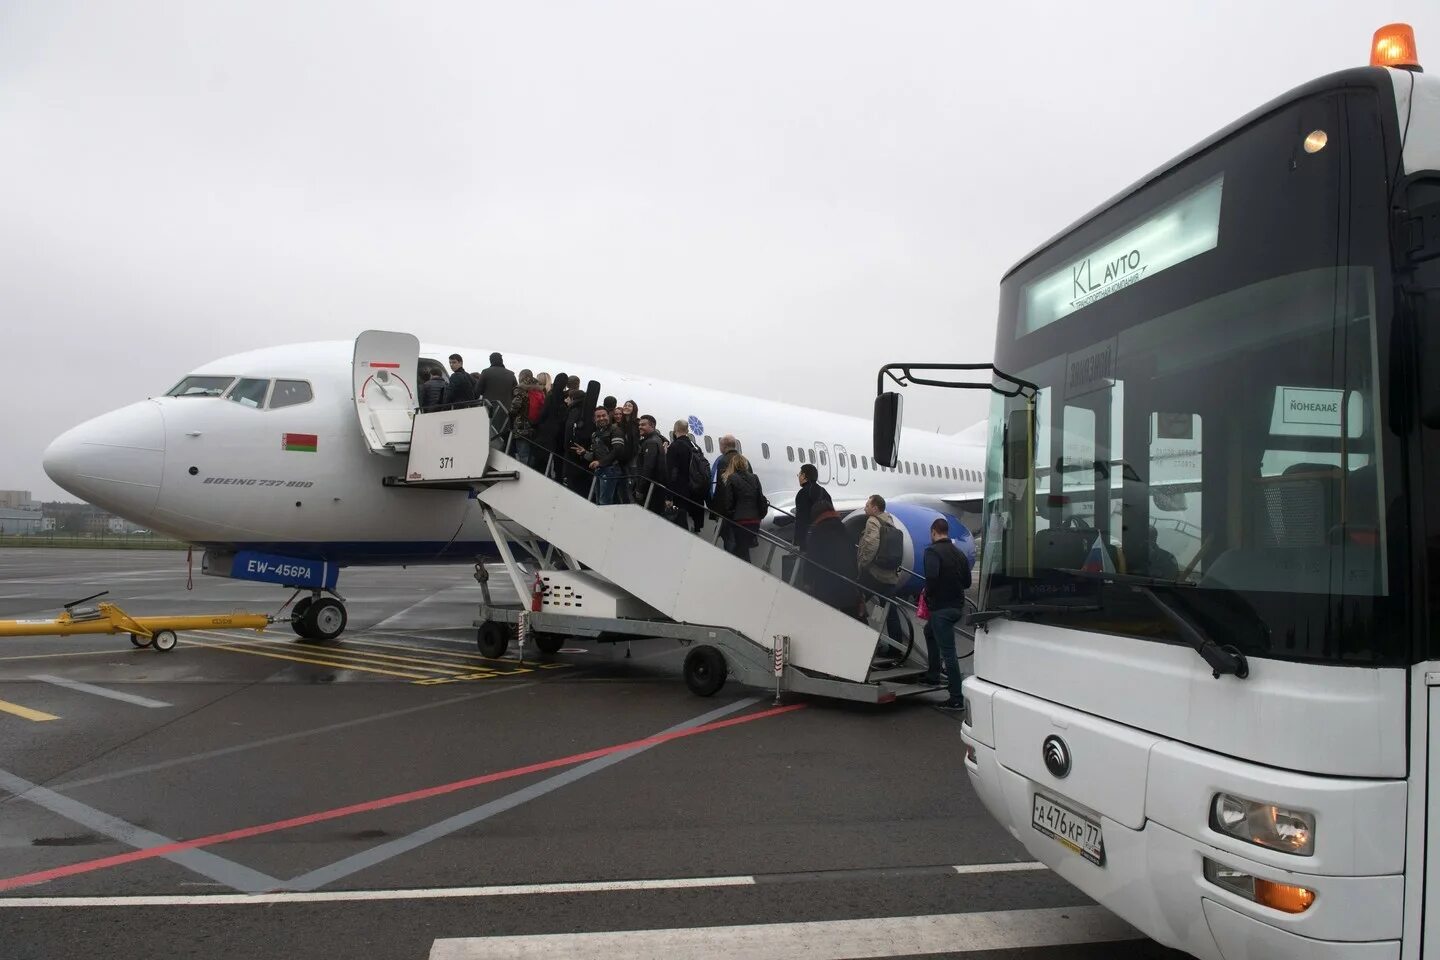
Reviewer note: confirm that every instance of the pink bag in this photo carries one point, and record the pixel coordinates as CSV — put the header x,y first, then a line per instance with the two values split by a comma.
x,y
922,609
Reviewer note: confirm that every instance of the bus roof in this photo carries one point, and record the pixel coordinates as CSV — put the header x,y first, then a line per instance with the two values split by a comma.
x,y
1370,77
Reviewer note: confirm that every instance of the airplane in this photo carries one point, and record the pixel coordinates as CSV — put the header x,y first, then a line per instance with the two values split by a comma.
x,y
275,463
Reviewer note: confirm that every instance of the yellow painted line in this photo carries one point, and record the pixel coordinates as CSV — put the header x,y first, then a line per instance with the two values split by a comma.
x,y
37,715
348,655
216,645
438,652
457,666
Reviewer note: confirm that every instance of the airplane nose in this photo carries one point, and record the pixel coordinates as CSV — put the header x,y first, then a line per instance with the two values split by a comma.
x,y
114,461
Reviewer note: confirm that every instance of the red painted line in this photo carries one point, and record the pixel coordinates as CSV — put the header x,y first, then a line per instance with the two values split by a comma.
x,y
149,853
388,366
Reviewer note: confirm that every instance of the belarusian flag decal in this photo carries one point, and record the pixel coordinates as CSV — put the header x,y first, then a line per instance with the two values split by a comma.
x,y
303,442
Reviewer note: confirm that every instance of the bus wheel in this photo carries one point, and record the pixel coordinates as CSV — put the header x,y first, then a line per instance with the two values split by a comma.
x,y
705,671
493,639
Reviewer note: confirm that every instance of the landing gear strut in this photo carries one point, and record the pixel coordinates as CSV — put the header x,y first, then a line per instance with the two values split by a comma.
x,y
319,617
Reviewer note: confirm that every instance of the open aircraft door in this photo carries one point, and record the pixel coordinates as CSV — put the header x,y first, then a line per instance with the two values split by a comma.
x,y
383,377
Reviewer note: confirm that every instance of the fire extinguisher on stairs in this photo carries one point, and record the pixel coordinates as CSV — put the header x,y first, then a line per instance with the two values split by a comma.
x,y
537,593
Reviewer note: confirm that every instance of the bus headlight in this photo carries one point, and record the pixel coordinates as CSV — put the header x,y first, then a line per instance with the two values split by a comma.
x,y
1263,824
1285,897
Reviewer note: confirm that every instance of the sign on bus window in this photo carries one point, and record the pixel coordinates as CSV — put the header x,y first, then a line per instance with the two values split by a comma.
x,y
1316,412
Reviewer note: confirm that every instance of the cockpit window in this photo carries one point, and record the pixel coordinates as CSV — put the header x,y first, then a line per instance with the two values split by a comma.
x,y
200,387
288,393
250,393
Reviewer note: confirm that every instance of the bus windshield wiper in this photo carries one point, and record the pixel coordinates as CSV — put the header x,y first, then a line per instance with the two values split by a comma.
x,y
1225,659
1011,610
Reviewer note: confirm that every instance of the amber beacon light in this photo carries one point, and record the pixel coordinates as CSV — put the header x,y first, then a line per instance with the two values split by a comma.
x,y
1394,46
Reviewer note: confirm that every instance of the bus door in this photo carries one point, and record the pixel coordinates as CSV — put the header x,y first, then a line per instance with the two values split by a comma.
x,y
842,465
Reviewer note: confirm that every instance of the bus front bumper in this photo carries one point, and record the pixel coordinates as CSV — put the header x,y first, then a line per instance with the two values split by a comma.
x,y
1153,878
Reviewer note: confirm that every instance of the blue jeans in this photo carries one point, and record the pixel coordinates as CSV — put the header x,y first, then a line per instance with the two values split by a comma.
x,y
522,451
609,481
942,635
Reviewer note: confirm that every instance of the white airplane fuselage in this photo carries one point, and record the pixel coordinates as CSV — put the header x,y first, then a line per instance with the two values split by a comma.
x,y
219,474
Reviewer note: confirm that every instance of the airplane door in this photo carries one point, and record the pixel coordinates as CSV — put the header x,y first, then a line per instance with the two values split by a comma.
x,y
822,456
842,465
382,376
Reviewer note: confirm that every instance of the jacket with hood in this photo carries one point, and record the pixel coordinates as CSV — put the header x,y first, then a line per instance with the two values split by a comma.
x,y
432,393
830,567
520,407
869,549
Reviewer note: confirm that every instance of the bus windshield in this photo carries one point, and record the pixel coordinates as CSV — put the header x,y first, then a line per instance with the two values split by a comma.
x,y
1209,422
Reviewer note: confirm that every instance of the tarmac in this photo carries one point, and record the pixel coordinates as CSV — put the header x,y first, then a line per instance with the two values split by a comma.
x,y
393,794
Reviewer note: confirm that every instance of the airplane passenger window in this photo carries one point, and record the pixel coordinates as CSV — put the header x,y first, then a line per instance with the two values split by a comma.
x,y
812,454
824,460
865,463
249,392
200,387
709,444
790,454
288,393
853,462
765,450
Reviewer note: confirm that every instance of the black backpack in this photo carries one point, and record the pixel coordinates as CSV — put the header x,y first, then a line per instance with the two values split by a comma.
x,y
891,551
699,472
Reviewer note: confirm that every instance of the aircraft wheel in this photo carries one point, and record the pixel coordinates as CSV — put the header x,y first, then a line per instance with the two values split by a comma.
x,y
297,618
705,671
165,640
493,639
140,641
324,619
549,643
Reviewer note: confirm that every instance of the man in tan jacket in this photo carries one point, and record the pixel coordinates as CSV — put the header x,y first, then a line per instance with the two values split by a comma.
x,y
879,556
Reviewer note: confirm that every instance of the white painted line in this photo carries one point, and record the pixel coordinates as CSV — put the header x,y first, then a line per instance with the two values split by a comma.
x,y
100,691
823,940
328,896
964,868
444,893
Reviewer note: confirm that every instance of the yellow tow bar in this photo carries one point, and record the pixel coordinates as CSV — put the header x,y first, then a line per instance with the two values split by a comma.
x,y
106,617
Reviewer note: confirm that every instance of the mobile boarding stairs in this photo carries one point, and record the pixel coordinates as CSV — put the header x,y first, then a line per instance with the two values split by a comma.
x,y
629,572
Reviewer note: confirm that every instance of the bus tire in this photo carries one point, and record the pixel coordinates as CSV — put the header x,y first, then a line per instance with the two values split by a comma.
x,y
165,640
492,639
705,671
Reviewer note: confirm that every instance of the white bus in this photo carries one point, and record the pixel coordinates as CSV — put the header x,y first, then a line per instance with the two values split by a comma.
x,y
1206,682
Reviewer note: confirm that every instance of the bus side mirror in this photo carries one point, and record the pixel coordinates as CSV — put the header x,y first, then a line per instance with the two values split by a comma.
x,y
1427,326
1018,445
887,429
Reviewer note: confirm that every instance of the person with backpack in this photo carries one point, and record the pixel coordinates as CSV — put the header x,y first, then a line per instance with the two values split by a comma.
x,y
878,556
526,404
688,472
947,577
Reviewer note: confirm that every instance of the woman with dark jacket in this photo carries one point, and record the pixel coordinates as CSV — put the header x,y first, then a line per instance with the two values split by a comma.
x,y
630,426
549,433
578,429
741,498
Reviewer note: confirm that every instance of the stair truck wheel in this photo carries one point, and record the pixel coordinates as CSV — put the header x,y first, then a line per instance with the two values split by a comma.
x,y
493,639
548,643
324,619
297,617
705,670
165,640
140,641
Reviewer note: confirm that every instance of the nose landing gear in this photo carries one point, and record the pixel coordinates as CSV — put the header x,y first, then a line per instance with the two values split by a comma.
x,y
319,617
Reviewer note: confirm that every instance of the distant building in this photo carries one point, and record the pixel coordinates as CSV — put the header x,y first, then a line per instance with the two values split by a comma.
x,y
20,521
17,500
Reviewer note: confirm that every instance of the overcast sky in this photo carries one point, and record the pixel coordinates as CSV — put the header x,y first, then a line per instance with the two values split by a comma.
x,y
768,197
